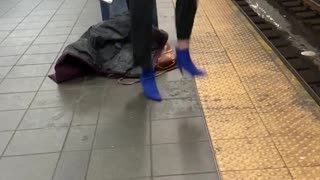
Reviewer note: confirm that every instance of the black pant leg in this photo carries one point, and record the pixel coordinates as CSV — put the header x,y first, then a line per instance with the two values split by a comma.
x,y
128,4
141,19
185,13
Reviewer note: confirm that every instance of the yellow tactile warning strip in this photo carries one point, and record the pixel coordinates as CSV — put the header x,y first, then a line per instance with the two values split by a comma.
x,y
266,174
262,123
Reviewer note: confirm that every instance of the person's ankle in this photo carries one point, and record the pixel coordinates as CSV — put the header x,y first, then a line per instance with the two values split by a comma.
x,y
147,72
183,44
149,85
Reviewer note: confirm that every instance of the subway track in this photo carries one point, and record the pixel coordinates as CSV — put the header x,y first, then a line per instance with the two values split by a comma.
x,y
307,11
313,4
306,70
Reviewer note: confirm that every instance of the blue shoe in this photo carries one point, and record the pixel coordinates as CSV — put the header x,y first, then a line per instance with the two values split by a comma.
x,y
149,85
184,62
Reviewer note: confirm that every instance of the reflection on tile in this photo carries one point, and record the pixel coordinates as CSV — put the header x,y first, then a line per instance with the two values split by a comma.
x,y
8,60
122,135
44,118
119,108
47,99
79,30
7,27
177,89
179,130
96,81
4,140
174,75
175,108
72,166
49,84
25,33
37,59
31,25
4,71
37,18
86,115
87,110
207,176
60,24
120,163
73,38
20,85
18,41
9,120
171,159
29,71
15,100
10,20
4,34
55,31
12,50
44,12
33,167
37,141
68,17
80,138
44,48
50,39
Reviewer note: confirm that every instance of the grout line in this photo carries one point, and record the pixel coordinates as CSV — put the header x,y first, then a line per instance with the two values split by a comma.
x,y
184,117
7,145
198,102
30,154
150,138
195,118
186,174
43,128
74,107
17,24
95,135
28,46
11,8
182,142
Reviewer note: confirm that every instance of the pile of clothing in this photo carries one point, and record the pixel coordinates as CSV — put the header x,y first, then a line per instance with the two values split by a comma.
x,y
105,49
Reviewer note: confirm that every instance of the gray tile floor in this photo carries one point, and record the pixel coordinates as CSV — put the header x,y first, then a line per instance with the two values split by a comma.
x,y
90,128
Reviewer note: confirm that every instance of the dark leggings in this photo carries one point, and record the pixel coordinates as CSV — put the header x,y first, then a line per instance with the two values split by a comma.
x,y
141,12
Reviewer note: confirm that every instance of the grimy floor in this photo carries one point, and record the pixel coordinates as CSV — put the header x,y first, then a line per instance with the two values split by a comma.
x,y
249,112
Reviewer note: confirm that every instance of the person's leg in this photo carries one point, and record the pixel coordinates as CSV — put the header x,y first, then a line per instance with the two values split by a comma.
x,y
185,14
141,22
154,12
128,4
